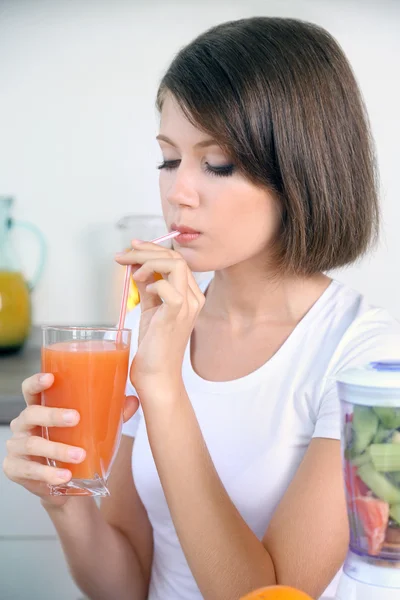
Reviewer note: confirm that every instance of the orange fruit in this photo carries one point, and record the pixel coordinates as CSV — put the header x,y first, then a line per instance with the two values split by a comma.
x,y
277,592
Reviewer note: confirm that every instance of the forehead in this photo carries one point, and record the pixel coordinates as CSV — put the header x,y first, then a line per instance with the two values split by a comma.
x,y
175,125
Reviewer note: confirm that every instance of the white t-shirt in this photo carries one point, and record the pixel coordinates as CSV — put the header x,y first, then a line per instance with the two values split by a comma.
x,y
257,428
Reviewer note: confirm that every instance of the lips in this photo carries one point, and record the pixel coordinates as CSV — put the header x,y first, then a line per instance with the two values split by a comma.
x,y
187,235
183,229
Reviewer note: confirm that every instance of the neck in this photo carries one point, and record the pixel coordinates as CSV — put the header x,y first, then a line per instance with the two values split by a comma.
x,y
244,294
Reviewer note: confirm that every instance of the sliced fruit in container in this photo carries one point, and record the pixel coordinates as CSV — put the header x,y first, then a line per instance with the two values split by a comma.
x,y
354,485
374,516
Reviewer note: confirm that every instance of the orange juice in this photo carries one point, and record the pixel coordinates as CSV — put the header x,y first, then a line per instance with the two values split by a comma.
x,y
90,377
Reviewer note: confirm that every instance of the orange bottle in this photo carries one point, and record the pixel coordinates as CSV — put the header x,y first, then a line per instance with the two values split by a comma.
x,y
15,311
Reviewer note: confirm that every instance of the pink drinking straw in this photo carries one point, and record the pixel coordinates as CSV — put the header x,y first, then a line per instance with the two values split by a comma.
x,y
128,272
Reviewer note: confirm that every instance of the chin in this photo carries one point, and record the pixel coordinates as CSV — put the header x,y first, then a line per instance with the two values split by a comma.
x,y
204,263
197,262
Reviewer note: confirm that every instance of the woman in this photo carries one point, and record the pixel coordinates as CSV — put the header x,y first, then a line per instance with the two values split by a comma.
x,y
228,477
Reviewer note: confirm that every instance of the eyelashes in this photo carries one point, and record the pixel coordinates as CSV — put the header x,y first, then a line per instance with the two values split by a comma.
x,y
220,171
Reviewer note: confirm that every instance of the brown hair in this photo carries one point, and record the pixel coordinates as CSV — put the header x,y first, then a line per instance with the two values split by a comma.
x,y
280,96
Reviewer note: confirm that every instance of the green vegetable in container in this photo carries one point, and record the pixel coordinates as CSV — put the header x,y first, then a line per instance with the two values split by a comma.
x,y
385,457
361,459
379,484
395,439
389,417
365,426
382,435
395,477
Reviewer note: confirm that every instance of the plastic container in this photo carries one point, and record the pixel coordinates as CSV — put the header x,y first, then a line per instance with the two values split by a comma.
x,y
370,409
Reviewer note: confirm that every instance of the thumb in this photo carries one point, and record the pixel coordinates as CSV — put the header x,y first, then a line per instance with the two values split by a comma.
x,y
130,407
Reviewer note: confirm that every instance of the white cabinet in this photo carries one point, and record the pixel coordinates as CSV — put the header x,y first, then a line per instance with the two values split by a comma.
x,y
32,565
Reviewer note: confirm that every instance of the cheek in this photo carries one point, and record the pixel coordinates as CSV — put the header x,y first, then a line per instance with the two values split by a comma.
x,y
256,212
162,184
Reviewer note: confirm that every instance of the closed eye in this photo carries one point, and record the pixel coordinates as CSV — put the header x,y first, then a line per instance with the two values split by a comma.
x,y
169,164
221,170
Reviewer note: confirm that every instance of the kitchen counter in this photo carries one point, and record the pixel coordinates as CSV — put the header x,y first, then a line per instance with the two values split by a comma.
x,y
14,368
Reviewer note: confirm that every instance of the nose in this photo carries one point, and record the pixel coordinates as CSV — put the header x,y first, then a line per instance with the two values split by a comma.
x,y
182,190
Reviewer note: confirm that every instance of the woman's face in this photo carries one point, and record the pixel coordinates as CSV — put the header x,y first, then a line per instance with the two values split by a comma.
x,y
201,189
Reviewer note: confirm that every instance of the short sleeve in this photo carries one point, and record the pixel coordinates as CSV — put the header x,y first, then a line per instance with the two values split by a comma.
x,y
328,419
132,322
374,336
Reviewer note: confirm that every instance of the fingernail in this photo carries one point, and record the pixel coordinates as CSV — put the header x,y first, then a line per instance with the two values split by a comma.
x,y
63,474
43,377
76,453
70,416
136,242
118,254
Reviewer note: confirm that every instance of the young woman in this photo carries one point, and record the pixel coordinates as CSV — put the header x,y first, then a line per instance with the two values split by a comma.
x,y
228,477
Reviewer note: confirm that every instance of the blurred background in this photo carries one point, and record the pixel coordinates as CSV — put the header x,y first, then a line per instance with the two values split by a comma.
x,y
78,80
77,129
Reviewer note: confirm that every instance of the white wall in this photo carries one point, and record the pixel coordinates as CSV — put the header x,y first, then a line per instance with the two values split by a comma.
x,y
77,127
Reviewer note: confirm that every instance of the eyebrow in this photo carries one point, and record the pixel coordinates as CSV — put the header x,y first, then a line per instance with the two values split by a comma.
x,y
203,144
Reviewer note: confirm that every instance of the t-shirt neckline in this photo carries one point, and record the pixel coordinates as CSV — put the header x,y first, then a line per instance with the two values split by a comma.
x,y
253,378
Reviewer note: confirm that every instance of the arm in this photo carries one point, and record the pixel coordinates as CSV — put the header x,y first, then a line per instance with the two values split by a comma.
x,y
306,541
109,551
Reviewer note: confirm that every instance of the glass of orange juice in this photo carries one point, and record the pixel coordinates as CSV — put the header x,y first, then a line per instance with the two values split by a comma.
x,y
90,368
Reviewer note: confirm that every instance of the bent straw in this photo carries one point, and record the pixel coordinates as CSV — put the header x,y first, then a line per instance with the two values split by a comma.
x,y
128,272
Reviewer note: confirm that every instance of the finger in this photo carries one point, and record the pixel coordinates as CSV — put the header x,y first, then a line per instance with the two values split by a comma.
x,y
195,302
139,257
38,446
195,288
168,253
140,245
44,416
19,469
175,270
131,406
33,386
171,298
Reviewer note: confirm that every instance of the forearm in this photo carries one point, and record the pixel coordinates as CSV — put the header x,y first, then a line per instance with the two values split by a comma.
x,y
101,559
225,557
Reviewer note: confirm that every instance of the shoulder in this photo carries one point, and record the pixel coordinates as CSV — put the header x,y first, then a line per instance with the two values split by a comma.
x,y
369,332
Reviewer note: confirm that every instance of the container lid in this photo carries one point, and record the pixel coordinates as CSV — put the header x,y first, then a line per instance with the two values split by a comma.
x,y
381,374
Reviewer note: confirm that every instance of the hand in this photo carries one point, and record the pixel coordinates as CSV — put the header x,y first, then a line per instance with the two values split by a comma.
x,y
25,462
169,306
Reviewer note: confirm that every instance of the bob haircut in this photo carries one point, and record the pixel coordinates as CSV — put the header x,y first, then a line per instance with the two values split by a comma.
x,y
280,98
